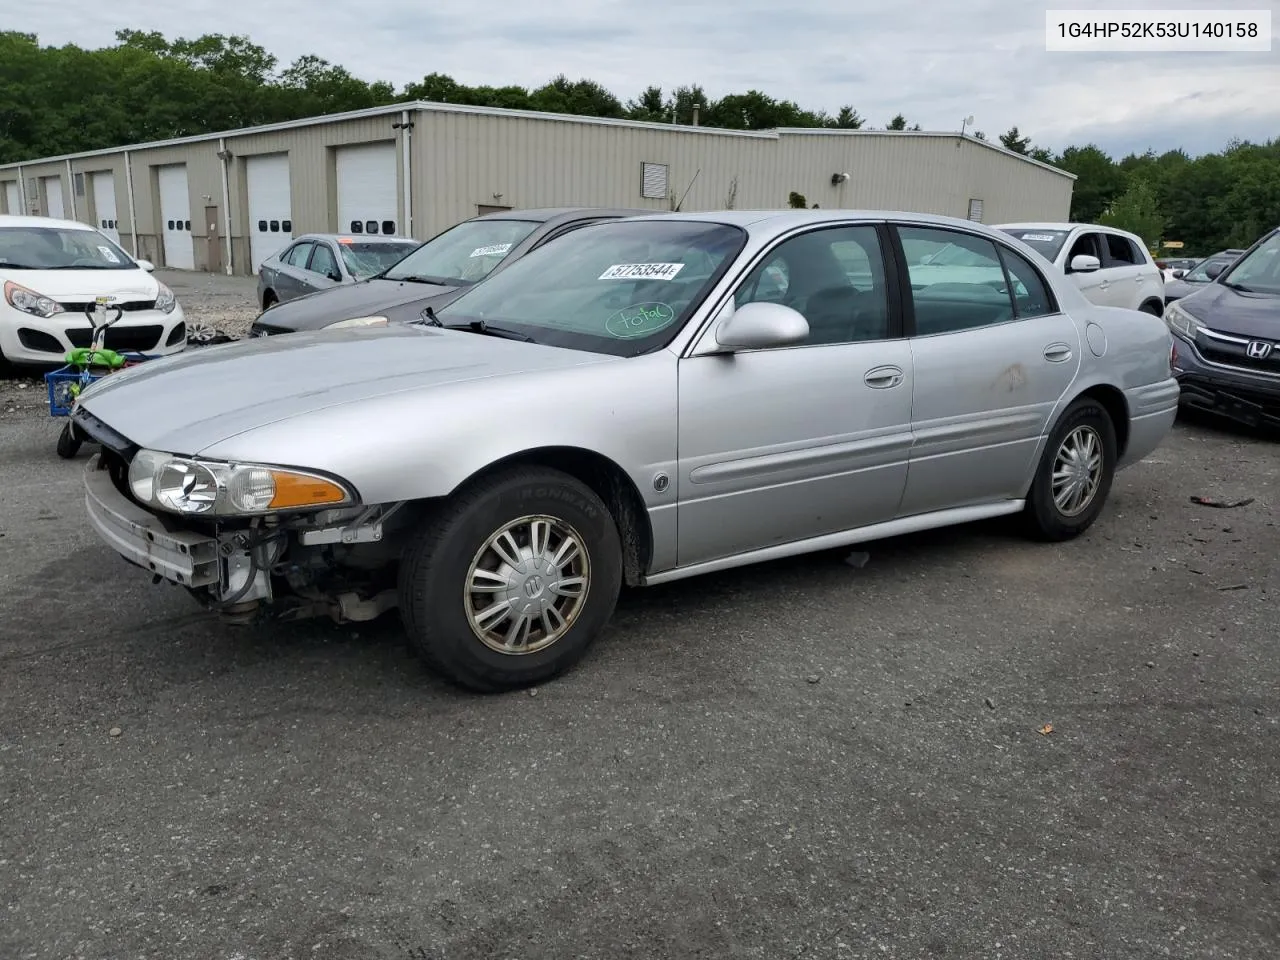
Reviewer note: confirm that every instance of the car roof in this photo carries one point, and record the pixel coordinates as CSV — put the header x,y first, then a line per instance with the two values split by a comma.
x,y
561,214
17,220
362,237
785,219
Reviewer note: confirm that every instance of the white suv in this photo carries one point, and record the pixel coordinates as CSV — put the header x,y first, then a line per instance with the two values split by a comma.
x,y
1112,268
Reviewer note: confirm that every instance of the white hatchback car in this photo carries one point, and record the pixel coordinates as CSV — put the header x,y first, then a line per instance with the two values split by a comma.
x,y
1112,268
52,271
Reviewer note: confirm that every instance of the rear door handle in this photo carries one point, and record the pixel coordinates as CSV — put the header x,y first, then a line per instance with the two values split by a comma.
x,y
882,378
1057,353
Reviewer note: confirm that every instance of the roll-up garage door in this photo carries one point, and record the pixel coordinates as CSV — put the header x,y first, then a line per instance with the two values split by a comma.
x,y
270,223
175,217
367,189
51,189
104,203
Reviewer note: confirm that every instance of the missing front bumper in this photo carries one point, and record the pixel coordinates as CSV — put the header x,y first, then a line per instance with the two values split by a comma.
x,y
179,556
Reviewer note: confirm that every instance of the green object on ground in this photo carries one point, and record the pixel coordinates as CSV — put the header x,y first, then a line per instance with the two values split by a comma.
x,y
83,357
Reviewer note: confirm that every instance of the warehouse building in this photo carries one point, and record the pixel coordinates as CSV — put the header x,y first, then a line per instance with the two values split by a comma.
x,y
225,202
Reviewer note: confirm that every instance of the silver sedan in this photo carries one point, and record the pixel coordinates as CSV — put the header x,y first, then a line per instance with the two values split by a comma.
x,y
643,400
322,261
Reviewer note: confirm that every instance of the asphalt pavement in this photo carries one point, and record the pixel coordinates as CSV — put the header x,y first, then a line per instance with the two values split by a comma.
x,y
971,747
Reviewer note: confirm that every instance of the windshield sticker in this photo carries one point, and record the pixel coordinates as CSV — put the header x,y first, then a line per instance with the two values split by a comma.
x,y
639,320
109,254
491,251
642,271
1038,237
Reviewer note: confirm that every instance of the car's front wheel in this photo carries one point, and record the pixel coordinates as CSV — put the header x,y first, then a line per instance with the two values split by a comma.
x,y
1075,473
510,582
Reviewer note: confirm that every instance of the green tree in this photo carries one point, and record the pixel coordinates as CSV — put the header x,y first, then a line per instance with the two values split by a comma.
x,y
1137,211
899,122
1013,141
1099,181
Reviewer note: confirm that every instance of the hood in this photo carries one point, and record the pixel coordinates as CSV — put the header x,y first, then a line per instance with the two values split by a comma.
x,y
366,298
76,285
1220,308
190,401
1177,289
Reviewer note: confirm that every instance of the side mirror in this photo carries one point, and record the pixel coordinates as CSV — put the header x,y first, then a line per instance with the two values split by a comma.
x,y
1179,273
755,326
146,265
335,276
1083,263
1214,270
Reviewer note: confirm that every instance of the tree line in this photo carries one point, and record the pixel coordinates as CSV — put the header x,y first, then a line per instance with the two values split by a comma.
x,y
56,100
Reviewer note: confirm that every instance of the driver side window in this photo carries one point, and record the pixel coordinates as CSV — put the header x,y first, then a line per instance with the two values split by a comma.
x,y
834,277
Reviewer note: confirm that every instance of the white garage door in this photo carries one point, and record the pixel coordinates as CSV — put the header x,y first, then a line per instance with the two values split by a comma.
x,y
175,217
367,189
270,223
104,202
13,198
51,190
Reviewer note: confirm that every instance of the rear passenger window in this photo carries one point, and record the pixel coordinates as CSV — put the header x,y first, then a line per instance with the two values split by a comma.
x,y
297,257
1031,296
957,281
1120,251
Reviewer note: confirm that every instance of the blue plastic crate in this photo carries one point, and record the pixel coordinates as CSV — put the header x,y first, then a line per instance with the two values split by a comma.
x,y
64,386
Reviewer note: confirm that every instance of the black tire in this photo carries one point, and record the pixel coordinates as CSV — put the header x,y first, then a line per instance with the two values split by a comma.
x,y
269,300
1042,517
68,442
437,563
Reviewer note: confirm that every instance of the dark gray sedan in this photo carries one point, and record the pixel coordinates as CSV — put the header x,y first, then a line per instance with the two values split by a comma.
x,y
439,271
1204,271
321,261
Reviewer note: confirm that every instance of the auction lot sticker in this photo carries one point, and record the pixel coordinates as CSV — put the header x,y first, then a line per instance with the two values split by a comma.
x,y
639,320
491,251
642,271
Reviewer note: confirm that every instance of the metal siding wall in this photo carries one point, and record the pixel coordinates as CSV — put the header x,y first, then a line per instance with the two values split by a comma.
x,y
1013,190
461,160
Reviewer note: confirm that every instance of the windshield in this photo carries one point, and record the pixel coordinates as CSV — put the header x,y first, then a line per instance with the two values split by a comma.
x,y
621,288
60,248
1200,272
1047,243
364,258
464,254
1259,271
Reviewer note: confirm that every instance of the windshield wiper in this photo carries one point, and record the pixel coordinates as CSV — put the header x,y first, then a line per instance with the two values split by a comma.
x,y
414,278
1238,286
488,329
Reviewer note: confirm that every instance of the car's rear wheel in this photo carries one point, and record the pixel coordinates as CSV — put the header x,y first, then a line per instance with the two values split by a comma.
x,y
1075,473
510,582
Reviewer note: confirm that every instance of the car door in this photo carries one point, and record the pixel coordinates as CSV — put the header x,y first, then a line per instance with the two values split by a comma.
x,y
991,361
322,268
1126,267
291,273
1096,284
785,444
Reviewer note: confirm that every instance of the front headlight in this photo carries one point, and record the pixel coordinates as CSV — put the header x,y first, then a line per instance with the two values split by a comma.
x,y
28,301
165,300
358,322
1181,322
218,489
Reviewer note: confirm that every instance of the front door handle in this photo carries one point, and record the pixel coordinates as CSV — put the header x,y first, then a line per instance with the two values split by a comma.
x,y
1057,353
882,378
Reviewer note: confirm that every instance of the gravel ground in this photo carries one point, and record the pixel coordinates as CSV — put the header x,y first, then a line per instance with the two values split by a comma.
x,y
797,760
226,303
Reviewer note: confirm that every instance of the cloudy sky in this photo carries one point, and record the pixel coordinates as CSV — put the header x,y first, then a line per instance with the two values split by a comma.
x,y
937,61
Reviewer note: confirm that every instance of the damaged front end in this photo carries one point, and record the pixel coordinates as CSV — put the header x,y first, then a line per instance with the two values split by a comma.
x,y
250,542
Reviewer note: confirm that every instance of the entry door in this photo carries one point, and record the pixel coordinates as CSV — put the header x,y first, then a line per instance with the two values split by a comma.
x,y
13,199
175,217
786,444
213,255
104,202
992,360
